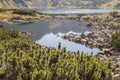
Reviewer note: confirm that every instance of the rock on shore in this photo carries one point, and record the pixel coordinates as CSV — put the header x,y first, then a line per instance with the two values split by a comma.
x,y
96,39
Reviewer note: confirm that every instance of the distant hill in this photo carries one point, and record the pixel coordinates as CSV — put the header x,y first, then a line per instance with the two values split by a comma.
x,y
48,4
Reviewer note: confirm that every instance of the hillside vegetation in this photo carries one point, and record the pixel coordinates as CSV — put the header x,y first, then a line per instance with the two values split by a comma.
x,y
112,4
48,4
116,39
22,59
9,14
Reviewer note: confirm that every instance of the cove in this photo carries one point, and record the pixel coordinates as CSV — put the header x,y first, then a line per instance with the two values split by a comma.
x,y
44,33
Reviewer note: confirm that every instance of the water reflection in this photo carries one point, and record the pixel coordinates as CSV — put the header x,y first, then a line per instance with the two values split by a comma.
x,y
43,27
51,40
54,25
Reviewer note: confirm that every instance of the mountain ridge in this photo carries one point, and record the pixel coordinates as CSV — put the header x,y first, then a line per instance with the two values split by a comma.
x,y
53,4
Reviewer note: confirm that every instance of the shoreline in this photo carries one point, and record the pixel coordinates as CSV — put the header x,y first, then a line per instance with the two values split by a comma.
x,y
96,39
91,21
106,23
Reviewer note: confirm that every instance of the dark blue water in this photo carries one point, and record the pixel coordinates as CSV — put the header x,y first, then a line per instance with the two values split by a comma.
x,y
77,11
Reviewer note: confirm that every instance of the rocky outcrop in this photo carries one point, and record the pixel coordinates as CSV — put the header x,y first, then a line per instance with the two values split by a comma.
x,y
27,34
97,39
107,22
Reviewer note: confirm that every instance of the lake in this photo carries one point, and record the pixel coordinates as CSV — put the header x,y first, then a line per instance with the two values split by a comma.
x,y
77,11
45,33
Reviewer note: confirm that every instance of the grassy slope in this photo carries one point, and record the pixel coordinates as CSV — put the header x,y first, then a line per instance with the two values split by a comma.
x,y
8,15
110,5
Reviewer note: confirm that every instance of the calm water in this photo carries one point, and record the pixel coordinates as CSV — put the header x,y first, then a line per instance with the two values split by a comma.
x,y
76,11
44,27
52,40
45,33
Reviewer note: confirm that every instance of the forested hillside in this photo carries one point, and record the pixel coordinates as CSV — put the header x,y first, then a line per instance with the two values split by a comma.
x,y
48,4
22,59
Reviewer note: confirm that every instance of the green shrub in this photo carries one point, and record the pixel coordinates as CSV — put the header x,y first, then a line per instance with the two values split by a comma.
x,y
25,60
114,13
116,39
2,10
6,34
24,12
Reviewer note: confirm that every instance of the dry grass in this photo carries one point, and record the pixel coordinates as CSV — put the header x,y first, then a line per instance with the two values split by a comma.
x,y
8,15
110,5
101,16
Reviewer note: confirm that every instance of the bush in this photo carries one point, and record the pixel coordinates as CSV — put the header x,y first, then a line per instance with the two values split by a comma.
x,y
24,12
116,39
2,10
114,13
25,60
7,34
